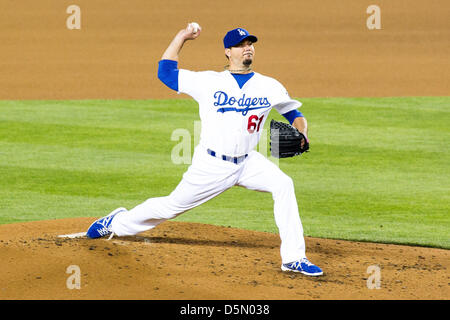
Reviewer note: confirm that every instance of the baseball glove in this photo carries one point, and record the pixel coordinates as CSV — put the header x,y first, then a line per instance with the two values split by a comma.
x,y
286,141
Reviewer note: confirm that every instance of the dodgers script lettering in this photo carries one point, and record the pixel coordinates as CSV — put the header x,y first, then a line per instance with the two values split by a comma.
x,y
247,103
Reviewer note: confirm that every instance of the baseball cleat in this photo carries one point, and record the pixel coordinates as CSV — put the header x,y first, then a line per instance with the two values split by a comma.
x,y
303,266
102,226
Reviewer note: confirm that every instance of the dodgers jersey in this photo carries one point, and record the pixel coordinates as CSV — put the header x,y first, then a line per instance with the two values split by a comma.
x,y
232,118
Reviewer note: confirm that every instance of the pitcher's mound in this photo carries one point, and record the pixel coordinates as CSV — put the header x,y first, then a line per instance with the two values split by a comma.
x,y
186,261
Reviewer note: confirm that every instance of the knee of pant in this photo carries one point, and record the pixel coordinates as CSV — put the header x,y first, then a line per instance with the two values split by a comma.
x,y
170,215
283,183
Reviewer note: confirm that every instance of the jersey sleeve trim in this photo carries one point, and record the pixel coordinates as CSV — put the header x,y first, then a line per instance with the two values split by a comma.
x,y
168,73
292,115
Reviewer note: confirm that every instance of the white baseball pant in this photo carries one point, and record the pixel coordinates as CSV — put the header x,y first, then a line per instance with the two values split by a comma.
x,y
208,177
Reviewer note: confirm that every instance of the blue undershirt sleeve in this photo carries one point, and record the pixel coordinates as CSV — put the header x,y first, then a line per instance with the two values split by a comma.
x,y
168,73
291,115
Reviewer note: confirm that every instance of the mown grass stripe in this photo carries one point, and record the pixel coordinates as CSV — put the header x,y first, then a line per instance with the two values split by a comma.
x,y
377,171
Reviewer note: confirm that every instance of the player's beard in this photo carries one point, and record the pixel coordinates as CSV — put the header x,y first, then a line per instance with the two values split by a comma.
x,y
247,62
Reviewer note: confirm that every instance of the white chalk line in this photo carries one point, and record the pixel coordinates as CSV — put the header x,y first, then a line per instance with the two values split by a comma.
x,y
73,235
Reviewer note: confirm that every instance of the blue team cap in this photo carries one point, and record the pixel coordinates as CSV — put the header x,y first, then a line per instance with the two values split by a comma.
x,y
235,36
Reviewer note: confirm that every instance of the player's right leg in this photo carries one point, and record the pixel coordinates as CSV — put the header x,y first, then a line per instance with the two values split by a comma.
x,y
206,178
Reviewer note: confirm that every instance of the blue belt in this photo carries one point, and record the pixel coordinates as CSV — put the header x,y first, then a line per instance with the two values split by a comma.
x,y
235,160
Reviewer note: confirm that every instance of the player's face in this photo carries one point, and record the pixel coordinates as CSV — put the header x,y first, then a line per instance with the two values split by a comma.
x,y
242,54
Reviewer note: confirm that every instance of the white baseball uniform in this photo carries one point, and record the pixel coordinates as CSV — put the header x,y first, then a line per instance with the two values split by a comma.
x,y
232,119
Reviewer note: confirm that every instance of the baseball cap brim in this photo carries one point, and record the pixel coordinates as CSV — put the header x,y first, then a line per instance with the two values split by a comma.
x,y
250,37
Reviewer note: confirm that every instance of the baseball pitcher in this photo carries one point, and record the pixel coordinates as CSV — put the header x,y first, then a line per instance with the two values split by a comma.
x,y
233,106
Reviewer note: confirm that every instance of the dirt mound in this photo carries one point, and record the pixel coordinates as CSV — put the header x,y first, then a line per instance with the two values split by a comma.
x,y
191,261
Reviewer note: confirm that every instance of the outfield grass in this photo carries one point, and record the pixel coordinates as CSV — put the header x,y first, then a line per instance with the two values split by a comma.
x,y
378,169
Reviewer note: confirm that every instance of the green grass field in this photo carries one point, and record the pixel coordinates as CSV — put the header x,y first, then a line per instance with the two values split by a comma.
x,y
378,169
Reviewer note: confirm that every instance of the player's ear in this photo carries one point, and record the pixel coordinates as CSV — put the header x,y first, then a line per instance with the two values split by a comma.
x,y
228,53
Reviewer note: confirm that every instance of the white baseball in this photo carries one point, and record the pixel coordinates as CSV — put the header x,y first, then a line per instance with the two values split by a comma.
x,y
194,26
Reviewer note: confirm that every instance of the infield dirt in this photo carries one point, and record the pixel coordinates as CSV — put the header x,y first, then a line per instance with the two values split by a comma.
x,y
179,260
314,50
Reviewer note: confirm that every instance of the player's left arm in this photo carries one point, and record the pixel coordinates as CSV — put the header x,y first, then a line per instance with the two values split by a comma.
x,y
301,124
297,120
288,108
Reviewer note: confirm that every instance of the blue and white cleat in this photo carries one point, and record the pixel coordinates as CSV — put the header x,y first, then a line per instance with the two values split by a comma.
x,y
303,266
102,226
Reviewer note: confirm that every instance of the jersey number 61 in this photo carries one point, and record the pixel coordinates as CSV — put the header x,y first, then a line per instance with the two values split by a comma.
x,y
254,123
